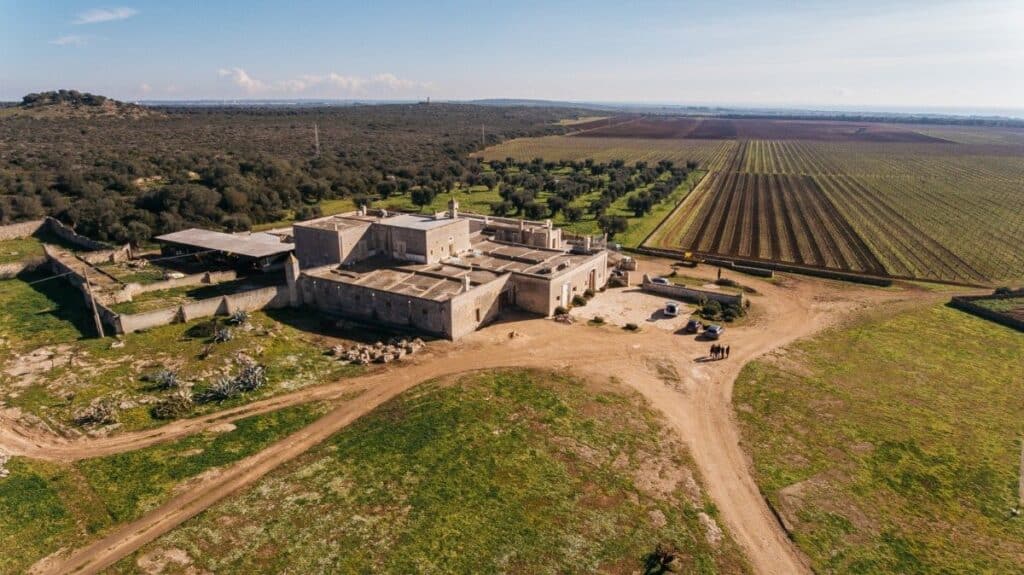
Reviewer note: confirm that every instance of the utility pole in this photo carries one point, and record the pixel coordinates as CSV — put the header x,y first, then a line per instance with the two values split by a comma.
x,y
92,302
316,139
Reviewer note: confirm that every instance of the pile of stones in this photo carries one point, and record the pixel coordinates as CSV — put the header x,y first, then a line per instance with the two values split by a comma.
x,y
380,352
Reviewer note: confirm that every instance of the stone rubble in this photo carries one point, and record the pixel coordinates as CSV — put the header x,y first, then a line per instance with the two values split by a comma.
x,y
4,458
380,352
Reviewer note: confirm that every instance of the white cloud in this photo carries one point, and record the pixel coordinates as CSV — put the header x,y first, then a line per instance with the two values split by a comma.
x,y
242,80
70,40
98,15
329,85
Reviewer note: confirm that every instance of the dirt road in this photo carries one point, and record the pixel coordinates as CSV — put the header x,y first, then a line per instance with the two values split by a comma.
x,y
697,404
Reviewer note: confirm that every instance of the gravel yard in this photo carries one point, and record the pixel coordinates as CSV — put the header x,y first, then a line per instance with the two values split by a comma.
x,y
631,305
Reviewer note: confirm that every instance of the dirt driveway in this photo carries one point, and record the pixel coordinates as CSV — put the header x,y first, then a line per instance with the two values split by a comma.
x,y
697,404
619,306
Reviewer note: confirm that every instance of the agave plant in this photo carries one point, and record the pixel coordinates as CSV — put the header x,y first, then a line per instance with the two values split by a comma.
x,y
223,388
223,335
166,379
252,377
240,317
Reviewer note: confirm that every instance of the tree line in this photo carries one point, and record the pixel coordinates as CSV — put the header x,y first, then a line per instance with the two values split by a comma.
x,y
126,180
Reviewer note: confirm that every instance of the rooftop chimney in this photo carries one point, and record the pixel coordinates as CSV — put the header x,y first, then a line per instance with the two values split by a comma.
x,y
466,285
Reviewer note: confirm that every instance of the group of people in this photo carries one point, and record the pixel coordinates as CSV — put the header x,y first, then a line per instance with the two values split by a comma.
x,y
719,351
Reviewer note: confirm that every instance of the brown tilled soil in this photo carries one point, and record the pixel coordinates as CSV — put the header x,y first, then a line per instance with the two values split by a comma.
x,y
759,129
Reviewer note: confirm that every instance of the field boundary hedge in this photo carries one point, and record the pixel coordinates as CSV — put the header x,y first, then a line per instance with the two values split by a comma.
x,y
966,303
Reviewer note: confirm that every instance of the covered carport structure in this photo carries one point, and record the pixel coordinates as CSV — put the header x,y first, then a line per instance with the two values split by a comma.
x,y
260,251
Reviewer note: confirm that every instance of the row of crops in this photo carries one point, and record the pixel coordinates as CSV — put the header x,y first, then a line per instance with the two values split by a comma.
x,y
931,211
943,211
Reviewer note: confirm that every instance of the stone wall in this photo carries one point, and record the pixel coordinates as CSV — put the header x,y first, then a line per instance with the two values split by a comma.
x,y
273,297
133,289
69,235
10,270
20,230
966,303
543,295
374,305
691,294
477,307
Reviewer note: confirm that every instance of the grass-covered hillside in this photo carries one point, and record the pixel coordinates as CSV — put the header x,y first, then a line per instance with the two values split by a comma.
x,y
45,506
53,368
512,471
894,446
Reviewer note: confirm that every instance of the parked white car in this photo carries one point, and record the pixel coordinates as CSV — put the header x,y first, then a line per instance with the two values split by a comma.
x,y
672,308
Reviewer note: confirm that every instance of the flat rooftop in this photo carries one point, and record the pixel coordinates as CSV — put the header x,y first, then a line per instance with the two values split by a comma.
x,y
337,222
502,257
254,245
417,221
437,282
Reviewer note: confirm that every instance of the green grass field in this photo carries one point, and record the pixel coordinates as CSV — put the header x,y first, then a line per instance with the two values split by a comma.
x,y
40,313
513,471
893,446
46,506
20,249
1002,305
82,368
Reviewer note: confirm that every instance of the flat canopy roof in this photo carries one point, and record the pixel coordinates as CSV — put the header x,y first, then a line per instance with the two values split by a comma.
x,y
255,245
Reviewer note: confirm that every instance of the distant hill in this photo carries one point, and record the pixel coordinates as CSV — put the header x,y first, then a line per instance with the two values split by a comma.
x,y
73,104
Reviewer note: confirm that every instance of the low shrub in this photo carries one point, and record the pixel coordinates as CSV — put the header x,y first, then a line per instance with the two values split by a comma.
x,y
172,407
561,310
589,293
631,327
100,412
579,301
597,320
203,329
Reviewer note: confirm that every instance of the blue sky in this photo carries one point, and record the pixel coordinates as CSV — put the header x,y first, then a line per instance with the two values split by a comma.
x,y
953,54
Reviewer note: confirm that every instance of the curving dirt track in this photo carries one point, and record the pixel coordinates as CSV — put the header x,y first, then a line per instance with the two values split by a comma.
x,y
697,404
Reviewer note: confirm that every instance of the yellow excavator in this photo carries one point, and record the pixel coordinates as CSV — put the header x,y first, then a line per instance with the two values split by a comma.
x,y
691,260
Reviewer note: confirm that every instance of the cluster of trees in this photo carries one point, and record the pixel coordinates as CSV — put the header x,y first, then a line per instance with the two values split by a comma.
x,y
126,180
521,186
72,97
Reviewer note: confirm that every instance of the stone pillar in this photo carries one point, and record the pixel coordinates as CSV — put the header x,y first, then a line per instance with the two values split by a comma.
x,y
466,283
291,274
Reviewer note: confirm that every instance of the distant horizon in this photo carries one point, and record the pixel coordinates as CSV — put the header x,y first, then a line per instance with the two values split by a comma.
x,y
928,111
912,56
